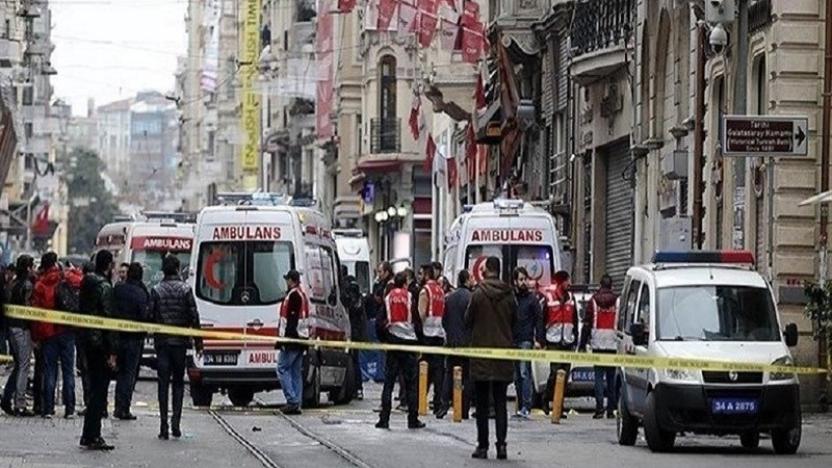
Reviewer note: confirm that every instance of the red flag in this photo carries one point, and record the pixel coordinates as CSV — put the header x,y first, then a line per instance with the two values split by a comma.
x,y
415,110
428,6
479,93
386,8
430,152
408,16
448,35
470,12
471,151
427,28
346,6
452,172
40,225
472,43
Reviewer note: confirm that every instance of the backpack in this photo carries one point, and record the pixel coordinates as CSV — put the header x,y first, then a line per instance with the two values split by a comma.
x,y
67,297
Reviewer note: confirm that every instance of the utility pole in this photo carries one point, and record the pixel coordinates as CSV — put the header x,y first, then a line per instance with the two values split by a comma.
x,y
740,108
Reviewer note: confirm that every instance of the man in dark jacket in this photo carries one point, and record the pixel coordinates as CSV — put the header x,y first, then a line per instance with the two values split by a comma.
x,y
599,330
528,312
172,303
491,316
20,340
353,302
131,302
457,335
98,346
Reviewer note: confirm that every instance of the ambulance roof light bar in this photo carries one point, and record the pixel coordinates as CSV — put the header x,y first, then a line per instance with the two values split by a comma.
x,y
723,257
251,199
508,204
355,233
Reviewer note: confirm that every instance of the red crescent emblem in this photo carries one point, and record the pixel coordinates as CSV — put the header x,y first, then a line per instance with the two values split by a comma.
x,y
479,268
213,258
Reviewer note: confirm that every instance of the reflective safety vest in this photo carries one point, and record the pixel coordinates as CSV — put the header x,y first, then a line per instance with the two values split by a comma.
x,y
303,319
432,327
603,327
399,307
559,315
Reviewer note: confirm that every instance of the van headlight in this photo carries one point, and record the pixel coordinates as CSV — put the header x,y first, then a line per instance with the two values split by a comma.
x,y
681,375
782,361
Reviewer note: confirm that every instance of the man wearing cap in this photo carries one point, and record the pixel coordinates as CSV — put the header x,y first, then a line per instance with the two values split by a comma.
x,y
558,327
294,313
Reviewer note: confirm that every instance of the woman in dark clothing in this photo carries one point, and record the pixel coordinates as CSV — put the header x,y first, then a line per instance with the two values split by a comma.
x,y
20,339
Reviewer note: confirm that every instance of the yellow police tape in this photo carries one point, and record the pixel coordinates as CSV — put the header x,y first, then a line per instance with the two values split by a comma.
x,y
612,360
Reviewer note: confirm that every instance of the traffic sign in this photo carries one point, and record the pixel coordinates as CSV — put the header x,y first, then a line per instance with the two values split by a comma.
x,y
765,135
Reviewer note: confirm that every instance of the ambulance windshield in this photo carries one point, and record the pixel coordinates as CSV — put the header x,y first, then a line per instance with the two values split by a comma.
x,y
716,313
151,261
537,259
243,273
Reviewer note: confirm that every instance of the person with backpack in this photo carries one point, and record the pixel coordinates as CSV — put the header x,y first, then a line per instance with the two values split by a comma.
x,y
131,300
20,340
57,342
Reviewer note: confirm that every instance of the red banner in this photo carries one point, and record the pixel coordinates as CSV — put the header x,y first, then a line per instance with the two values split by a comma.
x,y
414,121
324,93
472,44
346,6
452,172
471,152
427,28
430,152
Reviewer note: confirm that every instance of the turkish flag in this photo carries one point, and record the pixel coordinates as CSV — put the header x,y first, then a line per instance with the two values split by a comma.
x,y
408,16
452,172
427,28
40,225
430,152
386,9
448,34
346,6
414,121
470,12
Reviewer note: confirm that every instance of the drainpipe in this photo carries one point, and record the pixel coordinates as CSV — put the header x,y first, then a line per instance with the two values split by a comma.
x,y
823,348
698,136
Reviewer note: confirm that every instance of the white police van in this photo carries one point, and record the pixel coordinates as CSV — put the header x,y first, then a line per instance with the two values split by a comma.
x,y
705,305
242,251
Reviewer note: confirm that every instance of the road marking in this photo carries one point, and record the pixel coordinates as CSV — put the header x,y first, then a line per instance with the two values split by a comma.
x,y
261,456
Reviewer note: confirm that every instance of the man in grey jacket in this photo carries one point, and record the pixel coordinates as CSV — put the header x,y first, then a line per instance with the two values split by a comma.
x,y
457,335
172,303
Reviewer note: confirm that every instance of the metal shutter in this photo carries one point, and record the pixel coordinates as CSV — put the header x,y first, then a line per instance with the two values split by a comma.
x,y
587,219
562,71
619,213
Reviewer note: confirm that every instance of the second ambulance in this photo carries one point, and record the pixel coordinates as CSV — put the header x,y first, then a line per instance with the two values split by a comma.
x,y
241,254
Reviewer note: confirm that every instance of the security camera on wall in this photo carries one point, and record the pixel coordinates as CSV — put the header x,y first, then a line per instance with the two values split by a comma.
x,y
718,38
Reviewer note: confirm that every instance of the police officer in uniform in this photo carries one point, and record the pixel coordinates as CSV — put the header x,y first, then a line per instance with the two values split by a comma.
x,y
558,328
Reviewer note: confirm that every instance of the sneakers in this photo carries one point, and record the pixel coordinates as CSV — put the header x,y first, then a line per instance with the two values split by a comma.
x,y
69,415
522,414
359,395
292,410
441,413
47,416
23,413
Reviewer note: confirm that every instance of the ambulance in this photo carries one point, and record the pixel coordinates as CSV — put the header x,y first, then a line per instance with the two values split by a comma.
x,y
516,232
243,249
354,252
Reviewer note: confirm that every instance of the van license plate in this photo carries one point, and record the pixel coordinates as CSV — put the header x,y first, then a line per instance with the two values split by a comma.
x,y
220,359
583,375
734,406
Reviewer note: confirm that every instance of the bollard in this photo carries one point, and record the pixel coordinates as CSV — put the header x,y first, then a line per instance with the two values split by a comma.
x,y
457,394
423,388
557,396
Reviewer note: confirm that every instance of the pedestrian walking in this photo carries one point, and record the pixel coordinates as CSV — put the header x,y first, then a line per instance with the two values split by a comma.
x,y
558,329
293,323
99,348
457,335
131,301
491,316
172,303
20,340
599,329
431,306
57,341
396,325
528,314
353,302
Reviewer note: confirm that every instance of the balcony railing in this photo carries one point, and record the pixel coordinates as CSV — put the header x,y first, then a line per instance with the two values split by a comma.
x,y
600,24
385,136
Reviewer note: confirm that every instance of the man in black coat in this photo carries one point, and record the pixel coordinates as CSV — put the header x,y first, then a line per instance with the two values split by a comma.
x,y
131,301
457,335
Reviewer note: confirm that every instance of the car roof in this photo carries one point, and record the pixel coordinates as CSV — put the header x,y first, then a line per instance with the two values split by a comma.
x,y
698,274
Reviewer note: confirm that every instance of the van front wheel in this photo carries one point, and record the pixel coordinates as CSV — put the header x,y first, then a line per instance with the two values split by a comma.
x,y
786,441
658,440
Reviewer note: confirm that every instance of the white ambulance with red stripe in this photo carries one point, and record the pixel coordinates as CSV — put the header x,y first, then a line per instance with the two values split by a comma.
x,y
242,251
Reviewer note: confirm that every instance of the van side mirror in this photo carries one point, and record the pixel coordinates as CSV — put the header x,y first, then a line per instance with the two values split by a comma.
x,y
638,334
790,334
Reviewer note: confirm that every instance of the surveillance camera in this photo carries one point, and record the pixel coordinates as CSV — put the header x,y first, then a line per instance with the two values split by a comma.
x,y
718,38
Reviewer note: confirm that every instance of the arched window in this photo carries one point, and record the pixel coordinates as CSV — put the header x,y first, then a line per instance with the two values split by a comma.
x,y
387,88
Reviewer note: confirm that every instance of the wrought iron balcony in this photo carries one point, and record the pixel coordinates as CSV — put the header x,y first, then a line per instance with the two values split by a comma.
x,y
385,136
600,32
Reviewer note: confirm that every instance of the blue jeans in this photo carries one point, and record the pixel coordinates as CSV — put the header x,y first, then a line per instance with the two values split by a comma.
x,y
290,373
602,390
14,394
57,349
523,379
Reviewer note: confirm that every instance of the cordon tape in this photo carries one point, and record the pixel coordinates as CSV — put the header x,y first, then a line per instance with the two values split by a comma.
x,y
610,360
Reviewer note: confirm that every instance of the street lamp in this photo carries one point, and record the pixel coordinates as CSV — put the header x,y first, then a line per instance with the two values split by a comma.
x,y
402,212
381,216
391,211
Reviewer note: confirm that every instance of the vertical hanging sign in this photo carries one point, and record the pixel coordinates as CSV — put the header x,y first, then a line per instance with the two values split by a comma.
x,y
250,155
324,93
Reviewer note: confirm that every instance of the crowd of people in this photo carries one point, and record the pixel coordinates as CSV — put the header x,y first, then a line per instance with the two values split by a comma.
x,y
98,356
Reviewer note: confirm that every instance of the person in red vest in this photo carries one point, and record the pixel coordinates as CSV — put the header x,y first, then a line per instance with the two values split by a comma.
x,y
57,342
293,323
431,310
395,325
599,330
558,328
